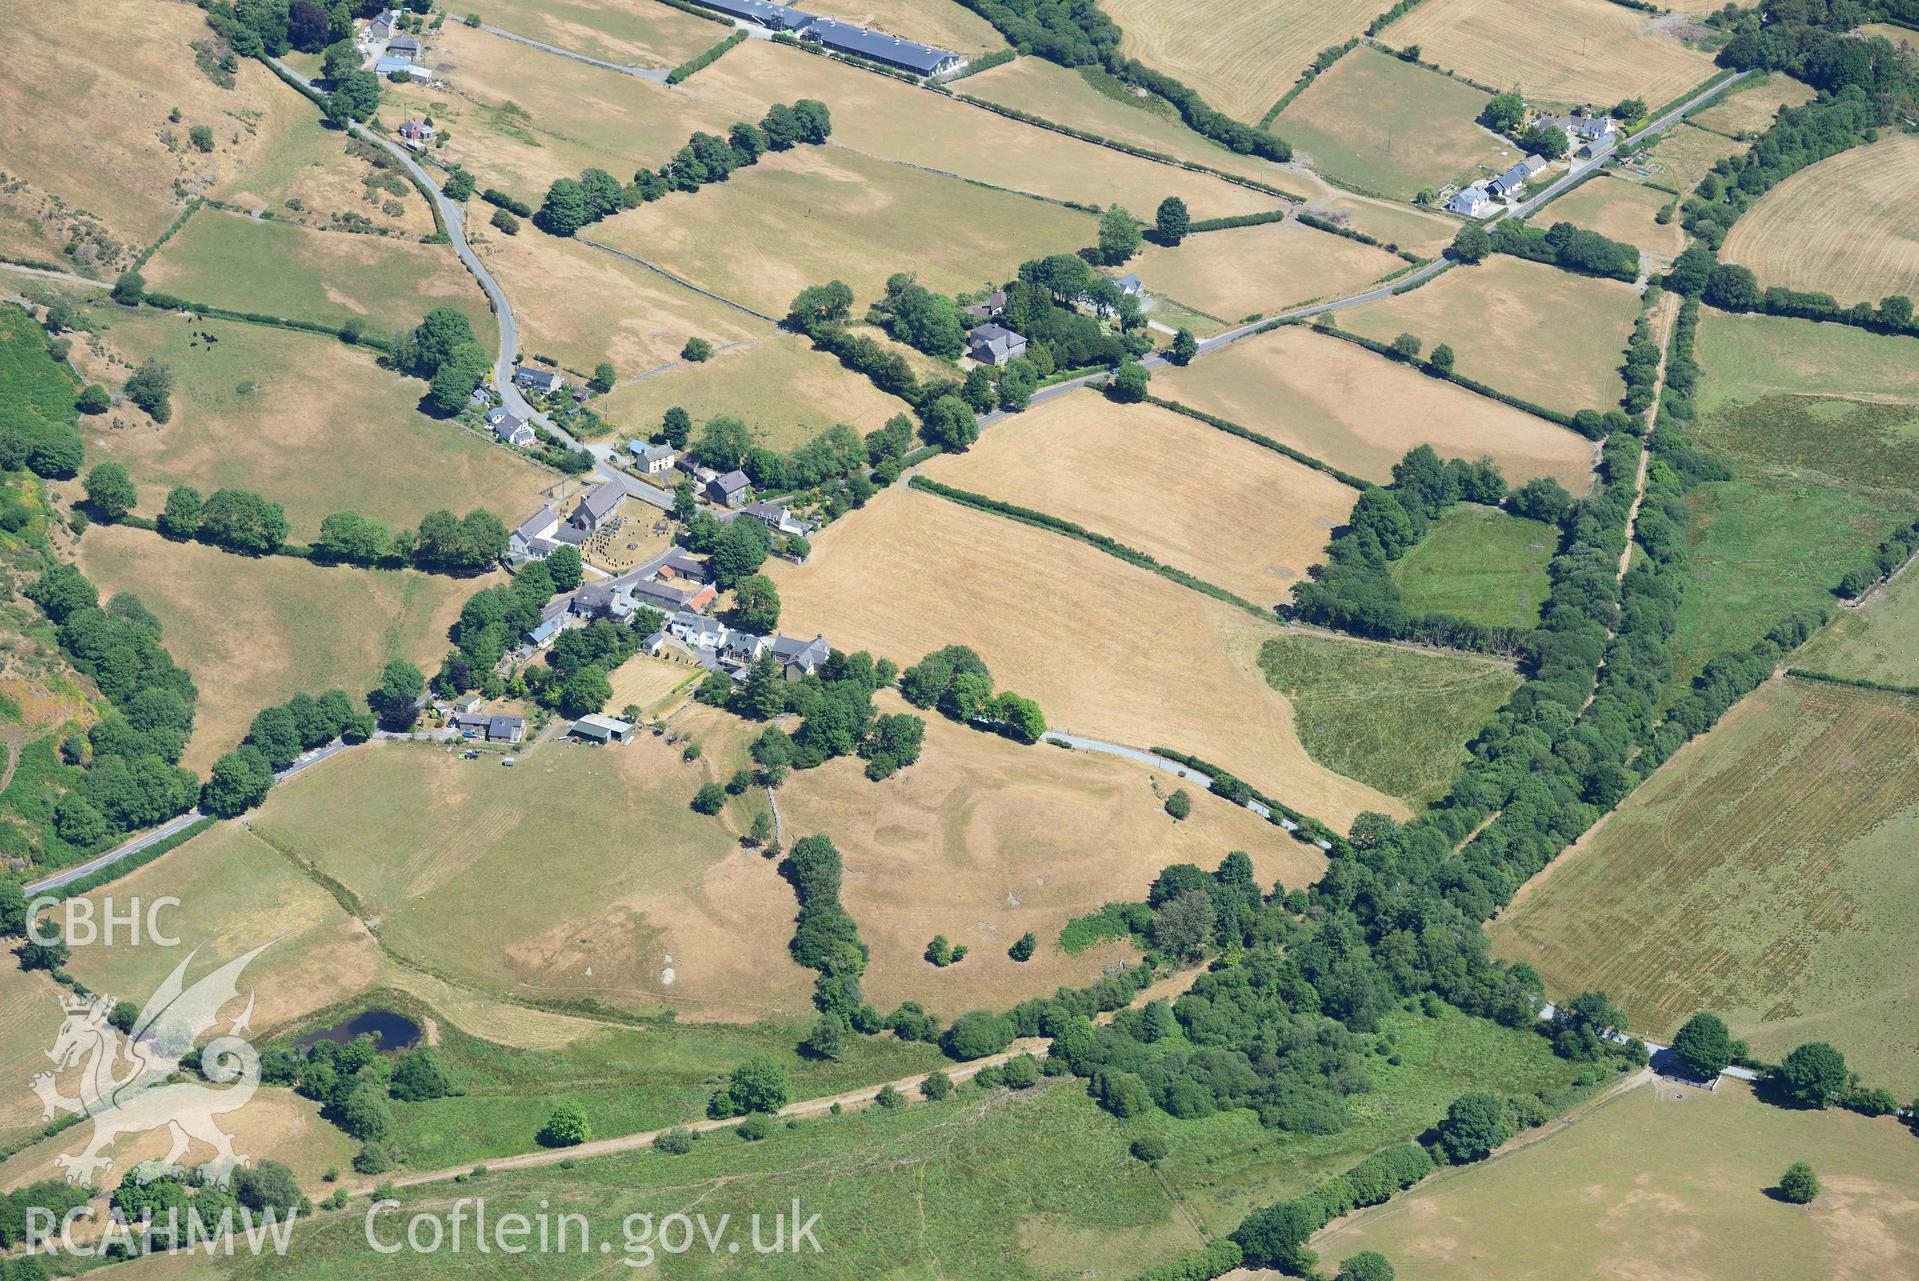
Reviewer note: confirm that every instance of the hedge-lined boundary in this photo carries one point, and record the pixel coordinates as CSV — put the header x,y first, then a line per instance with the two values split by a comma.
x,y
1717,80
114,871
684,7
146,255
1470,384
1391,16
61,269
1853,682
818,50
1111,546
1321,64
1100,140
1306,827
1238,220
1332,228
1264,442
172,302
702,61
998,58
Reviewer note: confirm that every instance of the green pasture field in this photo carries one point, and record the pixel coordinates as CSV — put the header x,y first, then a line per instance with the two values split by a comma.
x,y
816,214
1877,642
1672,1173
1682,155
1387,715
311,423
1021,1184
1479,563
1391,127
1763,874
330,277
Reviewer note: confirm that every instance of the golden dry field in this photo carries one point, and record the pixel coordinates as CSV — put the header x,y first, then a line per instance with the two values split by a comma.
x,y
1847,226
1245,270
582,872
1752,103
1662,1172
984,839
1389,127
1528,329
1340,403
1067,96
778,385
884,117
822,213
1763,874
1623,210
1239,516
583,305
944,23
314,425
646,35
1240,57
1109,650
1395,225
256,632
29,1021
1571,51
89,149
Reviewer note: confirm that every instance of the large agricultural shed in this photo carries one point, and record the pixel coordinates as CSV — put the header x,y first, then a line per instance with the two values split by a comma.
x,y
843,37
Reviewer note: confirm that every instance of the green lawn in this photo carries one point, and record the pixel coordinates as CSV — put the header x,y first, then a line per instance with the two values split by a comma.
x,y
1879,642
229,260
1387,715
1481,564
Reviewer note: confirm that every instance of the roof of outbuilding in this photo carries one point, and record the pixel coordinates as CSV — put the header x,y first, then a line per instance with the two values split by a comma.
x,y
878,45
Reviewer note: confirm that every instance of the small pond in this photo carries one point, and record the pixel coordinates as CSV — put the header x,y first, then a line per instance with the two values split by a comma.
x,y
396,1031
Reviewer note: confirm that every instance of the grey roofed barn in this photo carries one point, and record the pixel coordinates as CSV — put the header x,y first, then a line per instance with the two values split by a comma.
x,y
877,46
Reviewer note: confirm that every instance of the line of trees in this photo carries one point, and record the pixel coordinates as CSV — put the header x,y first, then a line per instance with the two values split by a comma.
x,y
129,759
241,778
1897,548
955,680
1568,248
571,204
1698,273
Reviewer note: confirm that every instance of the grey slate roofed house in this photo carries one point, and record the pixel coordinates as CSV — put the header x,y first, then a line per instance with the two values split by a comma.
x,y
596,506
729,490
1470,201
1510,182
537,379
510,427
877,46
417,130
534,538
1130,285
800,658
994,345
987,308
403,46
665,597
653,459
680,564
1533,164
384,24
777,518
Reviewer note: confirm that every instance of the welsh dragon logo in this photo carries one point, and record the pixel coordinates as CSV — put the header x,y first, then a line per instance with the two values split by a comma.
x,y
123,1086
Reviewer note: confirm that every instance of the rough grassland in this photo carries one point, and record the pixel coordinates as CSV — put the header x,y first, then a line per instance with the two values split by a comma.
x,y
1623,210
1065,96
1530,330
256,632
1751,357
1109,650
1682,155
305,162
1343,404
1764,874
1753,102
582,305
1479,563
883,117
1667,1173
330,277
816,214
315,425
778,385
1876,642
1239,516
457,860
1848,226
1572,51
1248,270
1387,715
519,117
1240,57
646,35
86,108
985,839
1391,127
